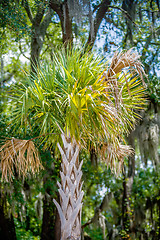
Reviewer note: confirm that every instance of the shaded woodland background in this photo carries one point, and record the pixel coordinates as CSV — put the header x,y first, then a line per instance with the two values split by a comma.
x,y
126,206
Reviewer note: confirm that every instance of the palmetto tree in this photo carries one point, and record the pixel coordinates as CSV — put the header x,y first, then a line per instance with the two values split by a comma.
x,y
77,99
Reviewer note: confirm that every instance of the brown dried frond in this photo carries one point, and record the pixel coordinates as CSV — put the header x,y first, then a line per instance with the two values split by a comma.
x,y
129,59
18,157
114,155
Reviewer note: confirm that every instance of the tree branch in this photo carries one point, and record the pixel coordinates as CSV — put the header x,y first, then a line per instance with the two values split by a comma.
x,y
103,8
20,48
126,14
154,43
109,20
99,209
157,31
57,7
46,21
61,8
28,10
39,15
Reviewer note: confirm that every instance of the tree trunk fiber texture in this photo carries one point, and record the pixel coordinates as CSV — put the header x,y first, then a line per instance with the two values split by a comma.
x,y
70,190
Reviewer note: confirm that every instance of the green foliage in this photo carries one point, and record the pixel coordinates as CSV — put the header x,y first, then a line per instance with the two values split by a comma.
x,y
154,89
14,18
95,233
26,235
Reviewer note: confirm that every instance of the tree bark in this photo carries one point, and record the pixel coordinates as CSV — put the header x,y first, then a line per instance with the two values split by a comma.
x,y
131,174
159,216
70,191
7,227
131,162
103,8
51,222
125,208
36,46
57,228
61,8
127,222
39,29
47,232
40,23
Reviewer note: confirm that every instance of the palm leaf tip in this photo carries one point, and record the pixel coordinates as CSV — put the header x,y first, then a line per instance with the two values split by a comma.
x,y
19,157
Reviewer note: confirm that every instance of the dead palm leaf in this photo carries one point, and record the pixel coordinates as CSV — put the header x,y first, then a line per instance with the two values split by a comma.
x,y
122,63
123,60
114,155
20,157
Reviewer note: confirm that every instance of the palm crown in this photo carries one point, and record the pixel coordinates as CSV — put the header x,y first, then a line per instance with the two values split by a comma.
x,y
84,97
81,97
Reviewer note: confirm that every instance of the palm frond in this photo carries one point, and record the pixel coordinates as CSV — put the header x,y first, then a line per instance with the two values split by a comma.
x,y
114,155
19,157
129,59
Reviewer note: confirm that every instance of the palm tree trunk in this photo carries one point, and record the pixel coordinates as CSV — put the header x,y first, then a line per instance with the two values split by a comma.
x,y
70,190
